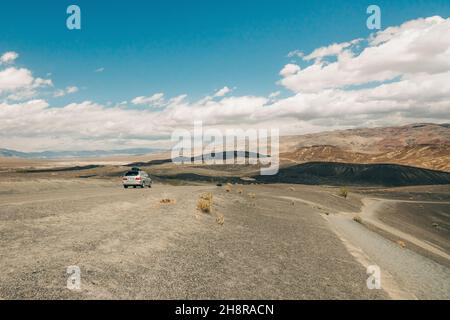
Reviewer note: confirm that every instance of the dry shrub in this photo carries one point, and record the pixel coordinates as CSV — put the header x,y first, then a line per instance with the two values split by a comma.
x,y
220,219
207,196
401,243
204,203
343,192
357,219
228,187
252,195
167,201
292,189
240,191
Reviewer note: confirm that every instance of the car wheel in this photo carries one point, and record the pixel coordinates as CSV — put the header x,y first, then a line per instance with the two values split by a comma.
x,y
126,187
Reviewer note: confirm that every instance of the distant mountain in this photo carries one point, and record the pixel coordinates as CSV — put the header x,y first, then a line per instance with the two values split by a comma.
x,y
75,154
420,145
373,140
204,157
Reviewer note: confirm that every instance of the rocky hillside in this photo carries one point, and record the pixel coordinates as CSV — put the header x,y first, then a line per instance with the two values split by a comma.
x,y
420,145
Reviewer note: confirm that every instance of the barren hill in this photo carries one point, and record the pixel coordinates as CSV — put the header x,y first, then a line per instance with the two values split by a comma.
x,y
334,173
420,145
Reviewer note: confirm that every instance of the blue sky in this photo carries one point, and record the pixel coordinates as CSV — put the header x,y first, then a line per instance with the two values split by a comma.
x,y
229,64
177,47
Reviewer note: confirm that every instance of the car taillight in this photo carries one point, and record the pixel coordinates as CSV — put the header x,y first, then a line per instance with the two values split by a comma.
x,y
138,178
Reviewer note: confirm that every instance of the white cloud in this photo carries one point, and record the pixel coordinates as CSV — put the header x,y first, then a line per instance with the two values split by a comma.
x,y
289,70
418,46
63,92
99,70
177,100
331,50
275,94
20,82
155,100
295,53
71,89
8,57
222,92
13,78
414,57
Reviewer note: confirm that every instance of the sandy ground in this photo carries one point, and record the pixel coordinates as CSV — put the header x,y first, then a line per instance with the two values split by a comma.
x,y
422,223
128,245
276,242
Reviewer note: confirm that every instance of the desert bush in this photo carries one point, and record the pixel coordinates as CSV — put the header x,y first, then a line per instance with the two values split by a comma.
x,y
228,187
357,219
167,201
401,243
252,195
220,219
207,196
204,203
343,192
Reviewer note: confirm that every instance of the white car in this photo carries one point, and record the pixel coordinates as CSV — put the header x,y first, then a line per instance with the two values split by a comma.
x,y
136,178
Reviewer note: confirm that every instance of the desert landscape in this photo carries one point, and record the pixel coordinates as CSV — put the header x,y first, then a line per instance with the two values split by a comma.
x,y
342,201
207,159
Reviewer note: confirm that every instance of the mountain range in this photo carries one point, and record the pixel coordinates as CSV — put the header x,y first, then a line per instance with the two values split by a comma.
x,y
422,145
419,145
75,154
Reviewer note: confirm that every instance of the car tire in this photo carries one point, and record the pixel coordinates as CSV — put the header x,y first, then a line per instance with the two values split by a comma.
x,y
126,187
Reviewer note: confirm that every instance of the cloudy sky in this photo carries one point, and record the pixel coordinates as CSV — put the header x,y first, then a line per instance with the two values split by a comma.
x,y
138,70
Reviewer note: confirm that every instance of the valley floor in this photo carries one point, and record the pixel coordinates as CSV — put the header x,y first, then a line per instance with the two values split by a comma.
x,y
276,242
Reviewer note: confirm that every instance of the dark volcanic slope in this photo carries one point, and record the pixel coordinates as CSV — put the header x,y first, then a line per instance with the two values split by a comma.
x,y
330,173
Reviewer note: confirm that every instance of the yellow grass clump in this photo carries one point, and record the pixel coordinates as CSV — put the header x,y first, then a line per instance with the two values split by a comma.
x,y
401,243
167,201
343,192
357,219
220,219
204,203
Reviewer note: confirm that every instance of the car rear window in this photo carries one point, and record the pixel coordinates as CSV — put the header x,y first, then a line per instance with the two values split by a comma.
x,y
131,173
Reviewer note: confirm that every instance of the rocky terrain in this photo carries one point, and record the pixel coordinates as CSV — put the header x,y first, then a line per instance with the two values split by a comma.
x,y
419,145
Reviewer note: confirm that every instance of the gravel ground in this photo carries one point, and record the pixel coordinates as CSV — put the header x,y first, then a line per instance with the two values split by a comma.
x,y
130,246
414,275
